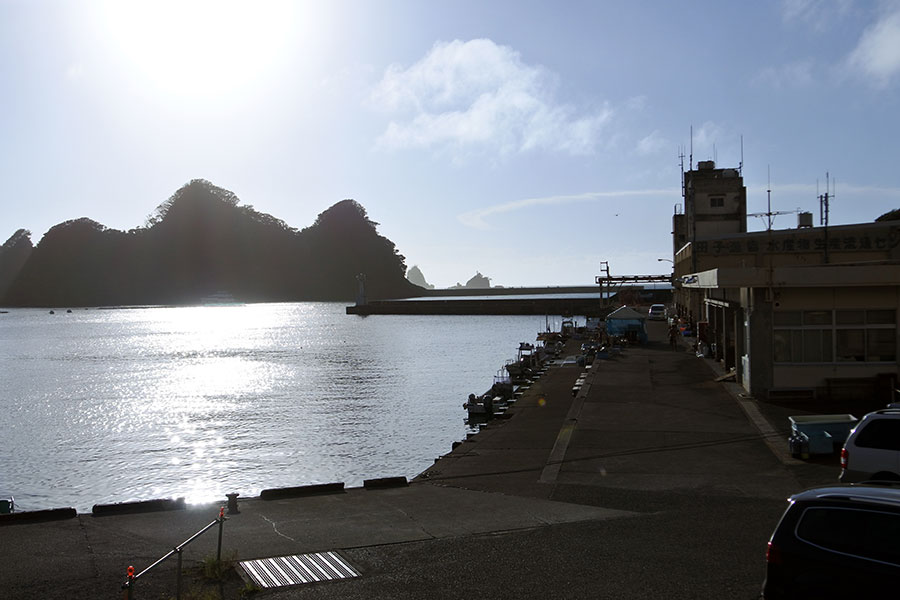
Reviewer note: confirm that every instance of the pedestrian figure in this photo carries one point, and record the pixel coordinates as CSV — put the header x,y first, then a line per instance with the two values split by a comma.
x,y
673,335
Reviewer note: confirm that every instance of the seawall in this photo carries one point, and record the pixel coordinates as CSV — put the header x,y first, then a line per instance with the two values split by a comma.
x,y
461,306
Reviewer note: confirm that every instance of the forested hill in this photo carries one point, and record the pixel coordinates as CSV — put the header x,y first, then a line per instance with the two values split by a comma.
x,y
198,243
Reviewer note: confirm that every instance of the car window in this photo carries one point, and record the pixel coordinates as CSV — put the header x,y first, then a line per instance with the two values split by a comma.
x,y
868,534
883,434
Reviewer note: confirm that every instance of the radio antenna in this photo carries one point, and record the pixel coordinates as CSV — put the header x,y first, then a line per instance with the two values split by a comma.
x,y
824,201
770,214
691,161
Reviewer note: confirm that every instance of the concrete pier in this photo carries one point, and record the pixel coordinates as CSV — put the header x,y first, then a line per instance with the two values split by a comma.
x,y
652,481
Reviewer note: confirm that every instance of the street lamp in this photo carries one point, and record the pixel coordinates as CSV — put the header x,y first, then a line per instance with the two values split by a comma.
x,y
666,259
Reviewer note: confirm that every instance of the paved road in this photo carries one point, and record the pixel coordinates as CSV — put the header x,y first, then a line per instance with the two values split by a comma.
x,y
650,482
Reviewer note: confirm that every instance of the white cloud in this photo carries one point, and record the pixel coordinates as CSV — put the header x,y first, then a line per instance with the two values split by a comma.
x,y
477,218
820,15
703,141
652,144
796,74
478,94
877,55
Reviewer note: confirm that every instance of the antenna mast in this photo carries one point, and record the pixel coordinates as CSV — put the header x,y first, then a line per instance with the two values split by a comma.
x,y
824,200
771,214
691,162
741,164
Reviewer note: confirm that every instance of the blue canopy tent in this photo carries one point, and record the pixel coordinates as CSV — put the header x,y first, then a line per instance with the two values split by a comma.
x,y
627,323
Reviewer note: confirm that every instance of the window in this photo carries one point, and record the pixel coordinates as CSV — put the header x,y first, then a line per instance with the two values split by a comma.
x,y
866,335
787,317
850,317
824,336
851,345
817,345
802,345
868,534
817,317
881,434
881,345
788,343
717,202
881,317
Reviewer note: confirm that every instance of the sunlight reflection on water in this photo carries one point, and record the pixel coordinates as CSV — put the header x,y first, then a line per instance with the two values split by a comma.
x,y
111,405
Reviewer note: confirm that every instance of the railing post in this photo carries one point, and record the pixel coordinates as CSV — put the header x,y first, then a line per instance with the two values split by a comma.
x,y
129,583
221,524
132,578
178,576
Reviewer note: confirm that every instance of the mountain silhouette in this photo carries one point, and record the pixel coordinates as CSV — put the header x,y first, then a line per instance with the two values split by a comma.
x,y
201,242
13,255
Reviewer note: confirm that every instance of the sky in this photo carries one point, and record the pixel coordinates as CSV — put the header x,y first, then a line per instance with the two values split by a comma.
x,y
524,140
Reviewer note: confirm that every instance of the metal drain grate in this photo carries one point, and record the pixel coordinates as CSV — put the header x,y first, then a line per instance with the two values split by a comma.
x,y
299,568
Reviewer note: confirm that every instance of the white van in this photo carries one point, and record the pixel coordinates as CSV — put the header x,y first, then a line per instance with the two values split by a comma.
x,y
657,312
872,450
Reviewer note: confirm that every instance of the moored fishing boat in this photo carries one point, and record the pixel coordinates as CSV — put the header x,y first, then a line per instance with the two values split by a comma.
x,y
496,398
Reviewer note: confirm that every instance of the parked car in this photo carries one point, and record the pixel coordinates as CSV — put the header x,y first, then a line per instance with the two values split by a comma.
x,y
872,450
836,542
657,312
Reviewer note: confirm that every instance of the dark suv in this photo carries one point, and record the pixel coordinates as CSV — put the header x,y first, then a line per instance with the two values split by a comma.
x,y
837,542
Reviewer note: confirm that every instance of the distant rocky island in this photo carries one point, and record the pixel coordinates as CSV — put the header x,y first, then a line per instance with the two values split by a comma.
x,y
202,243
476,282
416,277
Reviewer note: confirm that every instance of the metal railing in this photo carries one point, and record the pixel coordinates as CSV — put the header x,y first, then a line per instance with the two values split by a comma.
x,y
131,578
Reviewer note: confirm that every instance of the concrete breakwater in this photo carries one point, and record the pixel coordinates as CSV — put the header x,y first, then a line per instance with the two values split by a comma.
x,y
494,306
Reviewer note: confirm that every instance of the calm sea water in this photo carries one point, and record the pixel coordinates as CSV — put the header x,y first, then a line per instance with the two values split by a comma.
x,y
111,405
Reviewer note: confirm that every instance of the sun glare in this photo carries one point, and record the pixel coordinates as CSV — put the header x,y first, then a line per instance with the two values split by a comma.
x,y
200,49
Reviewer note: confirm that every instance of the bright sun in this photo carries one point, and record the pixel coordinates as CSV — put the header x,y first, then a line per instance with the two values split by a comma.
x,y
199,49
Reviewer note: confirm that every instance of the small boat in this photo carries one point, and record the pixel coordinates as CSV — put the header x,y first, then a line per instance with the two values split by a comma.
x,y
479,405
7,504
527,362
493,400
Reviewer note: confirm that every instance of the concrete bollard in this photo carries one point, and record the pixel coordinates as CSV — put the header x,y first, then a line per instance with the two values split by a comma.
x,y
232,503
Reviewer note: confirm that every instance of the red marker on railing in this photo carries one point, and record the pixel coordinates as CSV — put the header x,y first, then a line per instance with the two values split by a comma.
x,y
129,583
222,513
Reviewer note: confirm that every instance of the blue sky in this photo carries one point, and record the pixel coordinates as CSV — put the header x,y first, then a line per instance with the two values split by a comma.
x,y
525,140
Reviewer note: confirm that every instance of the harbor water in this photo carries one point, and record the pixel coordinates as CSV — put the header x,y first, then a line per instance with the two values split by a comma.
x,y
111,405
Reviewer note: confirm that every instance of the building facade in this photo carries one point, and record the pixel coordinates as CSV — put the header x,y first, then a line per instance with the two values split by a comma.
x,y
810,311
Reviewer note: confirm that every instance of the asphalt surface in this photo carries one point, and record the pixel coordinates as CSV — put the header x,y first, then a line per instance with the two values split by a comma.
x,y
652,481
